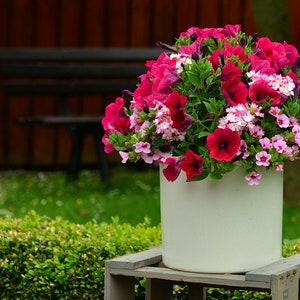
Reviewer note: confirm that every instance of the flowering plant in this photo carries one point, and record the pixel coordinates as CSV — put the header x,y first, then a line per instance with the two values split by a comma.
x,y
216,100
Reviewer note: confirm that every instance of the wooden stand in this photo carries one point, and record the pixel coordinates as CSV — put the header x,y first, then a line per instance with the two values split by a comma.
x,y
280,278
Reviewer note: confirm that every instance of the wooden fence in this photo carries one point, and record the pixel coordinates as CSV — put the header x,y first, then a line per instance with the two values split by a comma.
x,y
96,23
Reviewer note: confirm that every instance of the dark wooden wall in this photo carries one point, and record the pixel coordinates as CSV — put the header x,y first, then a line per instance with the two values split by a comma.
x,y
96,23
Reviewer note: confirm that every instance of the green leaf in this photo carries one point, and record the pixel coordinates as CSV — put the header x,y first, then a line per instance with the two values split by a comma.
x,y
215,175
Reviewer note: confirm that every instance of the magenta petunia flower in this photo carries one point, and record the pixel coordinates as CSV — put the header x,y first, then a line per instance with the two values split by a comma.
x,y
192,164
115,117
223,144
165,75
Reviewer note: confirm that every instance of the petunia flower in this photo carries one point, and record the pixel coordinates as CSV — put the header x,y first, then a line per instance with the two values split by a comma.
x,y
192,164
235,92
223,144
253,178
115,117
263,158
260,91
172,171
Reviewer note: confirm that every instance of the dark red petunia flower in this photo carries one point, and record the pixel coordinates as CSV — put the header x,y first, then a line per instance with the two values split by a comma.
x,y
235,92
223,144
260,91
192,164
176,103
172,171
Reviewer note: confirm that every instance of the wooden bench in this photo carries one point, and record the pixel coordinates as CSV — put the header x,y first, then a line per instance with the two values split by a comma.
x,y
63,73
280,278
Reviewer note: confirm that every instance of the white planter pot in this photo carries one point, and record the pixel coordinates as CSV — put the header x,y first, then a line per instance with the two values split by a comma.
x,y
221,226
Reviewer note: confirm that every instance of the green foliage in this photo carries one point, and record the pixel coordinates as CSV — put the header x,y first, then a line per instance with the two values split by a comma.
x,y
41,258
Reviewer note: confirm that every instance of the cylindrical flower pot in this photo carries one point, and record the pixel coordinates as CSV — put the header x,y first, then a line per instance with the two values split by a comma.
x,y
221,226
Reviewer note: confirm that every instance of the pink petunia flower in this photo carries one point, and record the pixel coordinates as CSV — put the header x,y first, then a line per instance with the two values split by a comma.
x,y
297,138
265,143
283,121
149,158
142,147
253,178
243,150
263,158
280,146
274,111
256,131
124,155
279,167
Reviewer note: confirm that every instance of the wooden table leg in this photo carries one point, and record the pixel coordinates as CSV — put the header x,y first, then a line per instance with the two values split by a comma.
x,y
196,291
285,286
157,289
118,287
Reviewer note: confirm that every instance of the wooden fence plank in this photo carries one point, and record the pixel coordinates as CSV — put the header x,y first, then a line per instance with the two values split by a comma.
x,y
187,15
294,8
117,23
46,23
163,21
209,13
44,35
248,24
141,23
70,31
21,23
17,145
94,15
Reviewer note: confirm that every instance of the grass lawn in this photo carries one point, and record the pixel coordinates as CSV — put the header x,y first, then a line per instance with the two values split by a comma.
x,y
133,197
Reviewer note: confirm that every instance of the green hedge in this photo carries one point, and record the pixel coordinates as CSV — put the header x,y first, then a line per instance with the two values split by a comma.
x,y
42,258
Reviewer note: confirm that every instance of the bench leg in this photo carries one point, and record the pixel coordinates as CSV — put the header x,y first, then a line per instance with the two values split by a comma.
x,y
76,151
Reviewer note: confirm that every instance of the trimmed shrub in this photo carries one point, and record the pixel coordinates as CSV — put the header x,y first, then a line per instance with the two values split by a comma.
x,y
42,258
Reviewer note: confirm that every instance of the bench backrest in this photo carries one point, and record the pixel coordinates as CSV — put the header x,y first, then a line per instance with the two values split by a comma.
x,y
72,72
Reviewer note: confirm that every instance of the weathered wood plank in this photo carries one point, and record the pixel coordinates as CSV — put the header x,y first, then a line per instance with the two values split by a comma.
x,y
230,280
264,274
137,260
